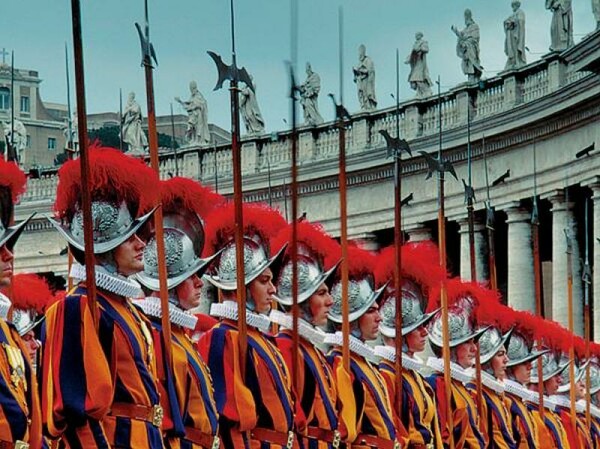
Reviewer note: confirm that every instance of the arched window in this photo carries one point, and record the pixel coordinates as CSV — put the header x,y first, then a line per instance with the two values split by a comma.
x,y
4,98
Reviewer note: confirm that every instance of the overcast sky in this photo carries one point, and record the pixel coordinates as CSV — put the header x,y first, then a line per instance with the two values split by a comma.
x,y
183,30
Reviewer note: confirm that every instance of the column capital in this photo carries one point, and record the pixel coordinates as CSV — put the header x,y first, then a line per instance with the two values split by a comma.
x,y
463,223
558,198
594,184
516,213
418,232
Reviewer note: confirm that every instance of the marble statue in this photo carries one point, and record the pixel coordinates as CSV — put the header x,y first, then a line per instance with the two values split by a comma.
x,y
250,111
133,134
364,77
419,73
514,43
561,28
596,10
309,93
197,127
467,47
19,141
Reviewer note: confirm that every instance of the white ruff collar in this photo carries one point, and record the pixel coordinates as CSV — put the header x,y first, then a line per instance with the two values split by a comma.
x,y
389,353
492,383
152,307
594,411
580,406
114,283
4,307
562,401
549,402
311,333
356,345
229,310
457,372
520,390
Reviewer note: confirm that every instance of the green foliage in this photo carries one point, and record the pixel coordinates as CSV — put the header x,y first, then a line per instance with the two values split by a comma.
x,y
109,136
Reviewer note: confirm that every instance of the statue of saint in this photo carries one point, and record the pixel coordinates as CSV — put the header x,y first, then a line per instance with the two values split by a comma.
x,y
197,109
561,28
514,44
309,93
364,77
467,47
596,10
133,134
419,73
253,120
19,140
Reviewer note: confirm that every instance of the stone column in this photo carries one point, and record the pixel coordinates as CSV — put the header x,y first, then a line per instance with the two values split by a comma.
x,y
563,220
481,264
418,232
521,287
367,240
595,319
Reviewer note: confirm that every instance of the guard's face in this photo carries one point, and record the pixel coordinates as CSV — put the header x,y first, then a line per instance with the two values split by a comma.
x,y
552,384
320,304
522,373
262,290
580,389
465,354
369,323
6,266
499,362
189,291
415,340
31,344
129,256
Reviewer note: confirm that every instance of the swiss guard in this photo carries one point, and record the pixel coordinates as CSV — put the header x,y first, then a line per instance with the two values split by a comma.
x,y
421,273
369,415
191,418
20,419
254,401
316,391
100,387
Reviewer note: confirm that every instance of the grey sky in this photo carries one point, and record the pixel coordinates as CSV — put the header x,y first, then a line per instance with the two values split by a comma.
x,y
183,30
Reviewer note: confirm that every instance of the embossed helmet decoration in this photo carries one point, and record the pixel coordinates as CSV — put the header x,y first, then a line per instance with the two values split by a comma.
x,y
520,347
122,189
490,313
261,224
185,202
12,186
421,273
361,286
557,339
29,295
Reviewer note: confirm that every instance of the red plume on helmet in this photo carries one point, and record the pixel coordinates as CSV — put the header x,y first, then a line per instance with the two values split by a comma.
x,y
177,194
554,336
12,184
525,324
361,263
312,235
259,219
420,264
30,291
464,294
114,177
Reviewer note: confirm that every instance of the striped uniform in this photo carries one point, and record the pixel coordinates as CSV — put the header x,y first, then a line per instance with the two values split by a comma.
x,y
524,427
186,393
494,422
368,411
263,401
317,393
464,413
579,436
20,417
100,386
551,433
418,418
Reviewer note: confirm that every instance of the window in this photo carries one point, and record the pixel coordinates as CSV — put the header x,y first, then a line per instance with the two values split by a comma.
x,y
51,143
24,104
28,142
4,98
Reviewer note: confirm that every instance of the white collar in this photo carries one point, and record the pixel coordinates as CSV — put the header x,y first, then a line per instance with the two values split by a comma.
x,y
594,410
491,382
561,400
550,402
520,390
357,346
580,406
457,372
229,310
112,282
152,307
4,306
389,353
311,333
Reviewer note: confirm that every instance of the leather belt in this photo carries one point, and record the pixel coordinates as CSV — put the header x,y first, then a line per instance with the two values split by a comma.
x,y
376,442
203,439
14,445
152,414
330,436
273,436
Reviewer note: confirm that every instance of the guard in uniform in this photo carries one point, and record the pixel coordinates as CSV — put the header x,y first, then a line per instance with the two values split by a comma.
x,y
463,338
256,411
191,418
316,392
100,385
421,273
20,418
370,408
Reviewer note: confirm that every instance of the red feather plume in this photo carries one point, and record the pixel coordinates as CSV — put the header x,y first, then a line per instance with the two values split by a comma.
x,y
113,177
13,178
360,262
321,244
525,323
30,291
554,336
456,289
179,193
259,219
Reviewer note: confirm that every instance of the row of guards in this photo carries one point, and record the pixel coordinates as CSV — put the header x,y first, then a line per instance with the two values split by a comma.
x,y
282,362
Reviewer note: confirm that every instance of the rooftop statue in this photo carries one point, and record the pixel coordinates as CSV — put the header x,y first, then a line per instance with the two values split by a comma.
x,y
561,28
309,93
253,119
467,47
133,134
19,141
364,77
419,73
197,126
514,44
596,10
